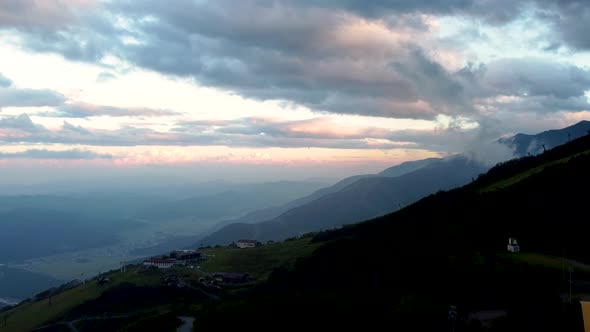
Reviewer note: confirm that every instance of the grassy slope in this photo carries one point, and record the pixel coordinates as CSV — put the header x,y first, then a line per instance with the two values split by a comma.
x,y
30,315
506,183
548,261
259,262
450,247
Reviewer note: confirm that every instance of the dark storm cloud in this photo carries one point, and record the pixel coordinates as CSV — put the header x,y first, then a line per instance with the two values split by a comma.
x,y
21,123
278,25
311,56
35,14
536,77
75,154
15,97
492,11
531,85
246,132
569,21
75,129
356,57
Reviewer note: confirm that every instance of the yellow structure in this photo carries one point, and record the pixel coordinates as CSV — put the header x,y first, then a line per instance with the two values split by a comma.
x,y
586,314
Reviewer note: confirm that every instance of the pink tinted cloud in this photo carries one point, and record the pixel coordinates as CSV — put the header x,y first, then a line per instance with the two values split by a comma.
x,y
315,128
41,13
81,110
327,128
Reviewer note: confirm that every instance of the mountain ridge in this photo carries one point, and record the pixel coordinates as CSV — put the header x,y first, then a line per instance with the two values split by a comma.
x,y
263,230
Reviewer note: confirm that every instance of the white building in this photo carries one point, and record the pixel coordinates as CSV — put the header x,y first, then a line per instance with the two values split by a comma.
x,y
246,244
513,245
160,263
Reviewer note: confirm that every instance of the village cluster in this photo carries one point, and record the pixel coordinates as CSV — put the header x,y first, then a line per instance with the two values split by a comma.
x,y
190,258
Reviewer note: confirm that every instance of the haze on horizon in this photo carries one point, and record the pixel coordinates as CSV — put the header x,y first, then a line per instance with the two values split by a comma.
x,y
266,90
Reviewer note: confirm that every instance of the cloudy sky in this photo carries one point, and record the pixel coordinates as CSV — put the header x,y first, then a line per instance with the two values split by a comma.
x,y
330,87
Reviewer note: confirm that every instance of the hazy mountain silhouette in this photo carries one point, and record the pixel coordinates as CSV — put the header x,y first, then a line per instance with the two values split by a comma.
x,y
273,212
355,199
238,201
366,196
269,213
407,167
449,249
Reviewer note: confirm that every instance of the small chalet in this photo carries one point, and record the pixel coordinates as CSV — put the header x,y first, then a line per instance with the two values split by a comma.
x,y
246,244
160,263
232,278
513,245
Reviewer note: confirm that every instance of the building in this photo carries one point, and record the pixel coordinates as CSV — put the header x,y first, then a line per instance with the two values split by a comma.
x,y
185,255
513,245
160,263
586,314
246,244
231,278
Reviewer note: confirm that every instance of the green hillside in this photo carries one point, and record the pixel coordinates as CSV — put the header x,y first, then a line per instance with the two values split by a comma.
x,y
406,269
258,262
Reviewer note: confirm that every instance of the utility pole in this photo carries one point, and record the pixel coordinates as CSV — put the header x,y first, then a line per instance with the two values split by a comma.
x,y
563,265
570,285
453,316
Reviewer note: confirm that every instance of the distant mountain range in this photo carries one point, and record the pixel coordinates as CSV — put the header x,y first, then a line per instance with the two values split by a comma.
x,y
447,251
229,203
367,196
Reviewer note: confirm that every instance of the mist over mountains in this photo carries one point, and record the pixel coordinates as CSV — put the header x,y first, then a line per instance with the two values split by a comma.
x,y
367,196
524,144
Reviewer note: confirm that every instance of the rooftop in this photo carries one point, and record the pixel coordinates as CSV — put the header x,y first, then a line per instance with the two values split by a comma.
x,y
247,241
160,260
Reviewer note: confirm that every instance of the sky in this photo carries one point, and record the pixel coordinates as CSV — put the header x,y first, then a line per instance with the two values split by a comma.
x,y
269,89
